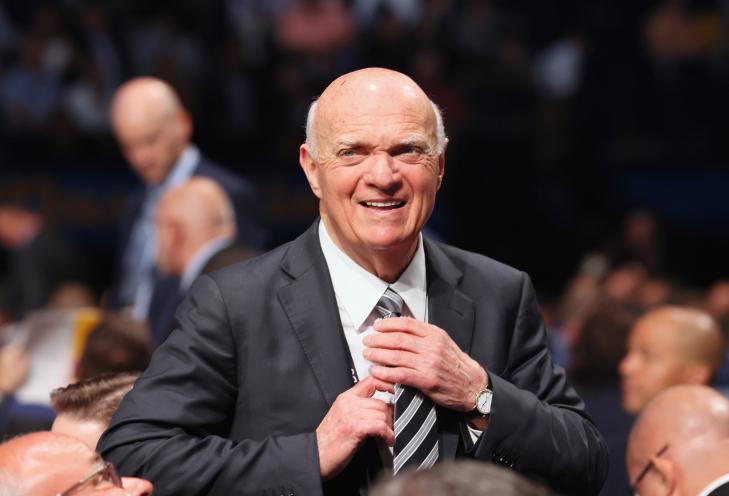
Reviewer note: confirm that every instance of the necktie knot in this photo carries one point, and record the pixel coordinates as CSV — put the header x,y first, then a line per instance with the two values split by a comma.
x,y
390,304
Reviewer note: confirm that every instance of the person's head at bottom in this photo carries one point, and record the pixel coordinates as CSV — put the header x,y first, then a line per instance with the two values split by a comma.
x,y
47,463
680,443
459,478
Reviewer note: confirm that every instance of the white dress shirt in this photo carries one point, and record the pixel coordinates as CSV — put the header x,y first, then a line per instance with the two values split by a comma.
x,y
358,291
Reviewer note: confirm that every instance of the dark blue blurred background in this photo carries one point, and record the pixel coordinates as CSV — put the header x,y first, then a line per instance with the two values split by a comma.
x,y
563,116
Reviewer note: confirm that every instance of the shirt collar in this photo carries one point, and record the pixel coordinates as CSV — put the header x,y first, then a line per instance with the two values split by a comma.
x,y
358,290
714,484
201,257
181,170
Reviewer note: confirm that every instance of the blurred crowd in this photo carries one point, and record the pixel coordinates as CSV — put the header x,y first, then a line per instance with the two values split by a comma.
x,y
553,94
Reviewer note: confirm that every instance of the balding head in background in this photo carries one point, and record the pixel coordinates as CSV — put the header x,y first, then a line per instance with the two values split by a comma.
x,y
47,463
680,443
188,217
459,478
151,126
668,346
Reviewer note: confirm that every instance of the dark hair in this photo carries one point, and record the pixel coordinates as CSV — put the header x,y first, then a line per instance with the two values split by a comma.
x,y
602,343
117,344
96,398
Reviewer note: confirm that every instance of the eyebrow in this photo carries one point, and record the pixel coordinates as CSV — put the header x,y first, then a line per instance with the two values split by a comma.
x,y
415,141
407,141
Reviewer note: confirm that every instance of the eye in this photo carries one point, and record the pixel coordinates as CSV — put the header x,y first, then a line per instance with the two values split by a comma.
x,y
407,149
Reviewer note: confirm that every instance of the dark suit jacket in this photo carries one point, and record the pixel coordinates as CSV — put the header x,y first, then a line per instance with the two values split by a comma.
x,y
162,307
251,232
231,401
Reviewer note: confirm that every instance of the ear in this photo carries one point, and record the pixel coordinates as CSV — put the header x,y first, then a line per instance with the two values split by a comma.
x,y
311,169
185,122
441,164
668,472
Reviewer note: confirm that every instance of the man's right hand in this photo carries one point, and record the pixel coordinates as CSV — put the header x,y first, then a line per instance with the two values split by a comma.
x,y
353,417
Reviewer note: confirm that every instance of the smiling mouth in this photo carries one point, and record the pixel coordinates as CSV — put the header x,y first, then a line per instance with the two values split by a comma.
x,y
383,205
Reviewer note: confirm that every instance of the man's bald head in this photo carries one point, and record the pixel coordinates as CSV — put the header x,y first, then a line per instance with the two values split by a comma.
x,y
361,83
375,158
667,346
151,126
189,216
44,463
693,422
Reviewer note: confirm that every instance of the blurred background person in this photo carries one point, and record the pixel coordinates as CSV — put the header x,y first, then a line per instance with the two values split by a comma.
x,y
196,234
459,478
594,358
117,344
52,463
668,346
84,409
154,132
107,344
35,262
680,444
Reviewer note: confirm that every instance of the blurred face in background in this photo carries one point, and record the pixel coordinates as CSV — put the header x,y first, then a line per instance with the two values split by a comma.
x,y
654,362
48,463
151,142
151,126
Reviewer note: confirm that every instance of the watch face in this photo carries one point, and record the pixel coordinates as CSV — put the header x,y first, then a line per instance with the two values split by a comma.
x,y
483,402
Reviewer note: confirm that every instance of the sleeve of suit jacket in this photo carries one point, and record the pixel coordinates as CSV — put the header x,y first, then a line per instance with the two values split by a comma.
x,y
173,427
538,425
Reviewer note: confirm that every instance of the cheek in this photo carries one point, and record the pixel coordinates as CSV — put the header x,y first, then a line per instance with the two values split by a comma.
x,y
340,184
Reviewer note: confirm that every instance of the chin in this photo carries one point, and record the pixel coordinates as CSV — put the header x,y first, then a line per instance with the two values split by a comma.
x,y
388,243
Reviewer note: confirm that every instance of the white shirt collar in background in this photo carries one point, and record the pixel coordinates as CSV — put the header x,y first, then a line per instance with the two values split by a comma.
x,y
202,257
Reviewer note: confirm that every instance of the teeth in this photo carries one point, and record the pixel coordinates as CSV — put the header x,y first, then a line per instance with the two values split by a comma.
x,y
382,204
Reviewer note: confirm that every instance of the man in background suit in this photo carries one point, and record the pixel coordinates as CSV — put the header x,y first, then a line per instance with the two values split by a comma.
x,y
279,378
154,131
667,346
196,234
680,444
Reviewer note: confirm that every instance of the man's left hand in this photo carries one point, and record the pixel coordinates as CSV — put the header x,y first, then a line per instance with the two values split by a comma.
x,y
421,355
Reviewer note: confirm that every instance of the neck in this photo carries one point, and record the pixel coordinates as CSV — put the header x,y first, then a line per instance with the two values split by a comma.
x,y
386,263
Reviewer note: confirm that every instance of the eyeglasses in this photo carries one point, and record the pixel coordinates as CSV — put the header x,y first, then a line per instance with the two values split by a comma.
x,y
647,468
103,473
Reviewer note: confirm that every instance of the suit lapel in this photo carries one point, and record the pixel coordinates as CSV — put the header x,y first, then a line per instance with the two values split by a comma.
x,y
453,311
311,306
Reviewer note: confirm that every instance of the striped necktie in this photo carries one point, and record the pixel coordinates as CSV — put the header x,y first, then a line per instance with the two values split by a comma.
x,y
416,430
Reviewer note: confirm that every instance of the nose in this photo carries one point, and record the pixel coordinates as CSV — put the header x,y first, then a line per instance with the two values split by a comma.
x,y
627,364
383,172
137,487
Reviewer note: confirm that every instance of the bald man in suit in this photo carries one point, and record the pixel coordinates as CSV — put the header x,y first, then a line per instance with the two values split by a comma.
x,y
281,377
